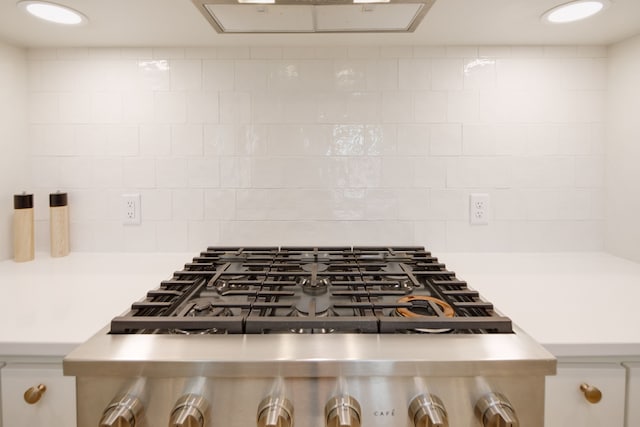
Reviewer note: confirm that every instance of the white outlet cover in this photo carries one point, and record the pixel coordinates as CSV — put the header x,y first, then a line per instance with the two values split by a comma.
x,y
479,205
131,214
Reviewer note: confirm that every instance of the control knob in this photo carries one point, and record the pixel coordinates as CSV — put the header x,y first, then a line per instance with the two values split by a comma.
x,y
189,411
427,410
275,412
123,411
495,410
342,411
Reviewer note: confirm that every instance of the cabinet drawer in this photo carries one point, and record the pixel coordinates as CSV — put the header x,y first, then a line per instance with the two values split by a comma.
x,y
633,394
566,404
56,406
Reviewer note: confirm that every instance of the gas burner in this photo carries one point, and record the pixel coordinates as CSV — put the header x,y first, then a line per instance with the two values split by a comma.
x,y
315,266
397,284
309,306
315,257
210,331
314,286
226,285
421,307
204,307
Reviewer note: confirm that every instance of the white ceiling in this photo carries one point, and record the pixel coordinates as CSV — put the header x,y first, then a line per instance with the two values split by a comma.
x,y
450,22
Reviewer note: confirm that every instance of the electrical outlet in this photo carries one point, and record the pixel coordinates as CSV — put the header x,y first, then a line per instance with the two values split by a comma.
x,y
131,209
479,209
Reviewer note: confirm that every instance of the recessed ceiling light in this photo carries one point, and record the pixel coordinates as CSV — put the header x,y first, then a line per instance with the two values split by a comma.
x,y
53,12
574,11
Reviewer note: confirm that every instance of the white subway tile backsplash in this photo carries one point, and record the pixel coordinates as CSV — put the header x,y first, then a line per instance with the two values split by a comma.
x,y
52,140
153,74
235,107
43,107
187,140
413,140
462,106
107,172
104,108
170,107
220,204
138,107
187,204
171,172
141,238
139,172
203,172
203,107
484,172
173,236
397,107
323,145
446,74
414,74
186,74
446,140
251,75
218,75
201,234
156,205
430,106
589,172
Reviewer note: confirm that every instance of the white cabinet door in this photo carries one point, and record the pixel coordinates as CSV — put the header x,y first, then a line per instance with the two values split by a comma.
x,y
633,394
566,405
55,408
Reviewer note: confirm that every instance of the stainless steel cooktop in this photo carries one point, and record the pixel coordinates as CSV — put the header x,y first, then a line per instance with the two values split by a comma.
x,y
251,290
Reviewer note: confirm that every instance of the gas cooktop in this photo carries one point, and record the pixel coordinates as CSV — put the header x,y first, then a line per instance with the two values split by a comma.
x,y
304,290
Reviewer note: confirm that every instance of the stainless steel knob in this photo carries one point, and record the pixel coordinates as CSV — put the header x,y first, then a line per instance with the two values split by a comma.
x,y
342,411
427,410
33,394
591,393
495,410
189,411
275,412
123,411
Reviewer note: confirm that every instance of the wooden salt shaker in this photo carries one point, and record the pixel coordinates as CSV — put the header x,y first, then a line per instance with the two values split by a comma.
x,y
23,246
59,224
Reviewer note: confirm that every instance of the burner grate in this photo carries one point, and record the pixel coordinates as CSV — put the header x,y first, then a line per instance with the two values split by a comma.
x,y
255,290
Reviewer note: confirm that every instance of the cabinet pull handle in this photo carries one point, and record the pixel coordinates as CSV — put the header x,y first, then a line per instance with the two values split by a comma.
x,y
591,393
33,394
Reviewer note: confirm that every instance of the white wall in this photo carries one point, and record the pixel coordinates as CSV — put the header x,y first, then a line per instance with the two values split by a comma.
x,y
14,160
363,145
623,151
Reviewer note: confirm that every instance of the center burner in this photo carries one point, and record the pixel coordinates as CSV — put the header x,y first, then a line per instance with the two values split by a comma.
x,y
260,290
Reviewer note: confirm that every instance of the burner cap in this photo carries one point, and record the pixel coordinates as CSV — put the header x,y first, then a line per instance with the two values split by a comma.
x,y
319,266
421,301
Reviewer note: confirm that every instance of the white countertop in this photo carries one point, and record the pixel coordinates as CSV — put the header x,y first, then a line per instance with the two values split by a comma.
x,y
575,304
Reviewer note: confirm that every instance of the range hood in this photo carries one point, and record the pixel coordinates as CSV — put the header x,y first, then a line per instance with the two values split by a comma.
x,y
314,16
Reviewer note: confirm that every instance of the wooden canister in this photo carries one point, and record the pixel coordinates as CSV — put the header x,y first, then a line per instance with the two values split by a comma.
x,y
23,246
59,224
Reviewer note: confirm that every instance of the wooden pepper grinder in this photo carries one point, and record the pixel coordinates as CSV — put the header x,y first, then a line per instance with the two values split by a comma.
x,y
59,224
23,247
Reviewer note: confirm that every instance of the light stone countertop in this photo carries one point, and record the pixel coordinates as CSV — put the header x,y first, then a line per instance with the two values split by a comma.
x,y
575,304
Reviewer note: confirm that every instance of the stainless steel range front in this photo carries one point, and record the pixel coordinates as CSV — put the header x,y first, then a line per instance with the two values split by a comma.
x,y
311,337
